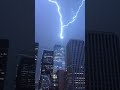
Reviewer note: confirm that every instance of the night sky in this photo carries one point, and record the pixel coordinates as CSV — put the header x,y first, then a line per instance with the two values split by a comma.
x,y
47,24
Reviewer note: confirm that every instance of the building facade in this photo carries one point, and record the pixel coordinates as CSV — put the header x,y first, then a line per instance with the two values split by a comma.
x,y
46,70
59,58
58,64
102,61
25,78
61,79
4,45
75,58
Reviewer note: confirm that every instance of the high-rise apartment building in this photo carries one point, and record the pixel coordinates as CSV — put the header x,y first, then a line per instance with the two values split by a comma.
x,y
25,78
102,61
46,70
4,45
75,58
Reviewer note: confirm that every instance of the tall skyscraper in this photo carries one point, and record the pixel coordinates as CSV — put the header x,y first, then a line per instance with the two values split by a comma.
x,y
75,57
58,64
46,70
4,45
102,61
25,79
59,58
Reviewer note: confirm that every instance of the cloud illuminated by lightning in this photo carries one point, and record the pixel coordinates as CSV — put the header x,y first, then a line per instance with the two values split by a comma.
x,y
61,22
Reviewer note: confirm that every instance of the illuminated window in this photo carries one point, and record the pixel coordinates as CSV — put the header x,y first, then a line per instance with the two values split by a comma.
x,y
1,78
54,76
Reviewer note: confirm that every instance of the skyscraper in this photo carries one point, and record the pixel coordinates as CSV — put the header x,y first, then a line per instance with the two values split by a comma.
x,y
4,45
46,70
58,64
59,58
75,57
102,61
25,79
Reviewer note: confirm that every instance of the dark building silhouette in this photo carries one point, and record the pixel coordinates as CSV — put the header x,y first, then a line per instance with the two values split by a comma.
x,y
25,79
46,70
102,61
75,57
4,45
61,74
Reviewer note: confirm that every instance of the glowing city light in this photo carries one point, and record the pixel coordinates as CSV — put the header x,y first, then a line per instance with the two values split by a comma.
x,y
60,14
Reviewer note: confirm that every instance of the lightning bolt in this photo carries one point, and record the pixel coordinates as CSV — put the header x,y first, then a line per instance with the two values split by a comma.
x,y
61,22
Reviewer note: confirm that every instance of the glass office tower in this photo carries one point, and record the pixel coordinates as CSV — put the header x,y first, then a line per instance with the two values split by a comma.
x,y
59,58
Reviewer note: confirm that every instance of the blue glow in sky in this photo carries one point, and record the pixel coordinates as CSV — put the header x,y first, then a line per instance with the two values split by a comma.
x,y
47,23
60,14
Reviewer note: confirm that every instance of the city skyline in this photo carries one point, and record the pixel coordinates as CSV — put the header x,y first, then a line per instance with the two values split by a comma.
x,y
25,22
